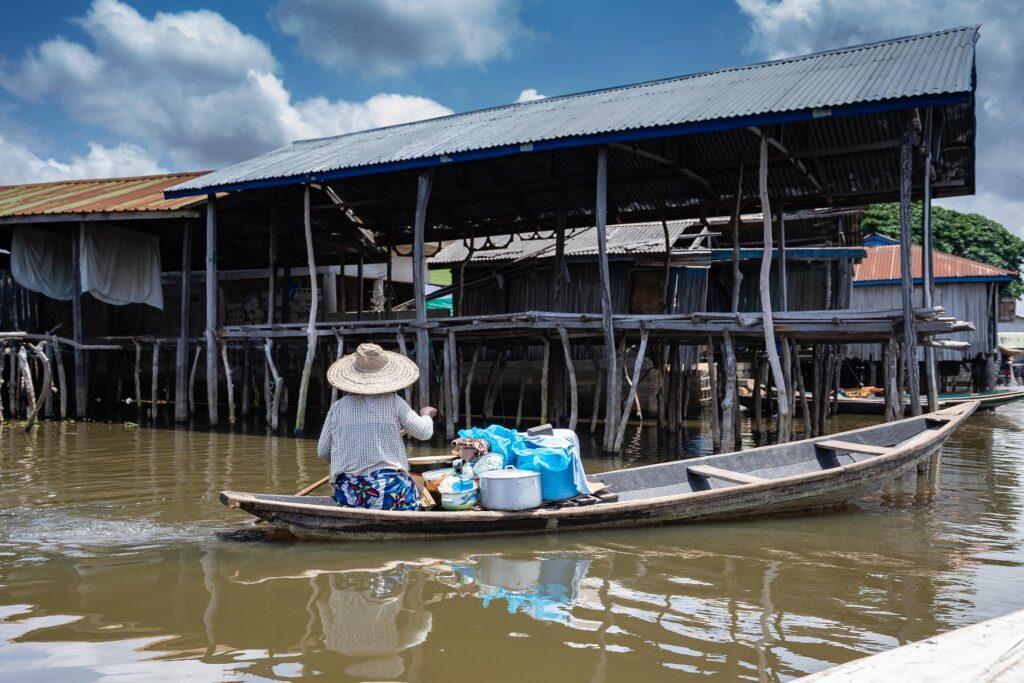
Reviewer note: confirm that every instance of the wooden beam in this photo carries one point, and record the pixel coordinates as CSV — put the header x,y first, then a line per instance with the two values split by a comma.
x,y
637,367
423,187
907,285
311,333
725,475
81,380
601,215
839,445
181,354
211,309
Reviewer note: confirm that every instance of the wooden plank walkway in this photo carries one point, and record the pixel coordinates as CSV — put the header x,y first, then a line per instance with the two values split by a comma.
x,y
982,653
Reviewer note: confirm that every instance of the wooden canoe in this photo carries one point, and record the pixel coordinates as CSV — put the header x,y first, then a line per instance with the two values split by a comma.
x,y
987,400
808,474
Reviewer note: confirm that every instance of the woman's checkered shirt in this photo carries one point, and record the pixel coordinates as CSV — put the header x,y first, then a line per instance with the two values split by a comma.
x,y
361,433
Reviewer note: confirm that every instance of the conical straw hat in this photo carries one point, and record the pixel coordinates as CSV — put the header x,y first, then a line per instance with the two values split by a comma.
x,y
372,370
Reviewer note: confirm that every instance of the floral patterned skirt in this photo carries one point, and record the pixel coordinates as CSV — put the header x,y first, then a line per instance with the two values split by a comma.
x,y
384,489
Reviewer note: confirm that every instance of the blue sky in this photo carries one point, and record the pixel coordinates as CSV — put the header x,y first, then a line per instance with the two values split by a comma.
x,y
121,87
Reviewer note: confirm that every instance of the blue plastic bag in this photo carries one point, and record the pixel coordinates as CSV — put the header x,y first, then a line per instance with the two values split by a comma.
x,y
500,438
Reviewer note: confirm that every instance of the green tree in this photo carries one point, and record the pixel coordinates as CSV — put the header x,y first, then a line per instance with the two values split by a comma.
x,y
969,235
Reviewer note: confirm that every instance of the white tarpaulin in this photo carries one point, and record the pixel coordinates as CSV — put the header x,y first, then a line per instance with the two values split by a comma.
x,y
121,266
41,261
118,266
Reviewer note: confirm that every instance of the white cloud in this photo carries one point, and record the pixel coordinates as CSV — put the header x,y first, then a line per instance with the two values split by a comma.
x,y
19,164
529,95
394,37
190,88
788,27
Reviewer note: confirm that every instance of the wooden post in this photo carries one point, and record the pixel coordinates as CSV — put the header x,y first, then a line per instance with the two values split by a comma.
x,y
181,353
571,370
783,278
637,367
138,380
360,287
211,308
601,215
453,372
766,297
716,430
61,380
192,381
154,379
804,409
229,381
469,386
13,382
544,382
522,392
273,398
339,340
737,276
928,276
598,385
81,386
494,384
787,371
400,339
27,388
246,376
906,280
755,370
893,396
44,390
449,394
730,405
423,187
307,366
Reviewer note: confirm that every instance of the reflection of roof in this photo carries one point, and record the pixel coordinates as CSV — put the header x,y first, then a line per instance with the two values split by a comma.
x,y
626,238
882,266
933,64
110,195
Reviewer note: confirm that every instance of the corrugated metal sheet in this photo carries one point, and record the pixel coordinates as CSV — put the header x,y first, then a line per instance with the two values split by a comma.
x,y
882,264
626,238
932,64
142,193
970,301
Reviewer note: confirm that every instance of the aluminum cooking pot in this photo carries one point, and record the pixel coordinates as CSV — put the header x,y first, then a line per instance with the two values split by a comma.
x,y
510,489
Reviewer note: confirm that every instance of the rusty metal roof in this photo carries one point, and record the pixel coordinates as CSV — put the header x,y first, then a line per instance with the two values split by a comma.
x,y
882,266
108,195
626,238
932,65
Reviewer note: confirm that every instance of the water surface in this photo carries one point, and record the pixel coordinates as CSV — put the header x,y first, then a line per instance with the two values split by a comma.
x,y
116,560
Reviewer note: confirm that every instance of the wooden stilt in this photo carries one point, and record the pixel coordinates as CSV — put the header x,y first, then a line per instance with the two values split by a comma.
x,y
339,352
716,433
229,382
545,363
13,386
522,392
246,375
181,352
138,380
682,412
81,377
192,381
766,296
730,405
787,371
27,388
893,398
211,309
673,376
62,385
494,384
737,276
154,381
45,383
637,367
273,398
449,398
804,409
402,349
601,215
469,386
571,371
906,282
662,386
928,279
756,371
595,412
424,185
453,375
307,365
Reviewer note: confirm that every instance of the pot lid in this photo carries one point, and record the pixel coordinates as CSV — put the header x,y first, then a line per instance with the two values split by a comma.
x,y
509,473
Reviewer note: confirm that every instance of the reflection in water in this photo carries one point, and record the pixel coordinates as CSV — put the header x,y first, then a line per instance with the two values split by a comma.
x,y
116,559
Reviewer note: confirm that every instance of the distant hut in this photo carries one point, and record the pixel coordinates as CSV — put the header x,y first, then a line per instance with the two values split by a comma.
x,y
966,289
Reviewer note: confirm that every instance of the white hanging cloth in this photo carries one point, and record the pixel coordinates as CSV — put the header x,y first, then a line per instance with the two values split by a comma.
x,y
121,266
41,261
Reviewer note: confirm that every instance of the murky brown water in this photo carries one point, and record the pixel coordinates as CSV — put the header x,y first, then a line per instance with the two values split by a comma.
x,y
117,560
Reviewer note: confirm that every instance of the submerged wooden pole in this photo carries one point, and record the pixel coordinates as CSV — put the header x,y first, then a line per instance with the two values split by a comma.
x,y
804,409
154,380
766,297
181,352
906,280
26,384
893,396
716,429
192,381
601,215
273,398
62,385
730,406
571,371
138,379
229,382
211,309
598,386
423,187
44,390
307,366
637,367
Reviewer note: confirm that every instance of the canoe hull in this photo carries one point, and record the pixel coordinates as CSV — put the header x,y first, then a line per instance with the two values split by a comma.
x,y
823,488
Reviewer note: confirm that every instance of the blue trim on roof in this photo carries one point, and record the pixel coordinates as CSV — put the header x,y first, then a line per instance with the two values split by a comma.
x,y
754,254
940,280
691,128
877,240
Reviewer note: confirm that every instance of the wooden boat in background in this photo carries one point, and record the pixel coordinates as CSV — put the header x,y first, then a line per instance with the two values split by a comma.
x,y
986,399
801,475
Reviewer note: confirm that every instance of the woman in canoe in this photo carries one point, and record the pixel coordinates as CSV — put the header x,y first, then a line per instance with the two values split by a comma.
x,y
362,439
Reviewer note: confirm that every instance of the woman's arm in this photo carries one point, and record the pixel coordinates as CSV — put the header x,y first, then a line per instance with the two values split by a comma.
x,y
417,426
323,446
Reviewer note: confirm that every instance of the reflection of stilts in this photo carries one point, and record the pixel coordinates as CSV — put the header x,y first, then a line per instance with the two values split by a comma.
x,y
767,608
211,607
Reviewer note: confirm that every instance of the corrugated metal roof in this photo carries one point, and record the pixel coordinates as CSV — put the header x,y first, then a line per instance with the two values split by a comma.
x,y
626,238
141,193
882,264
932,64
